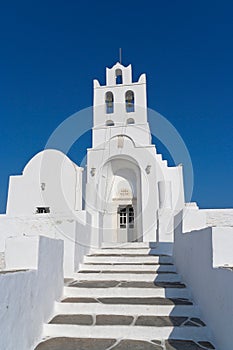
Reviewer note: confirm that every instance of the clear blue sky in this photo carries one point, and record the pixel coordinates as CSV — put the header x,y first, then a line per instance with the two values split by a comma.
x,y
51,51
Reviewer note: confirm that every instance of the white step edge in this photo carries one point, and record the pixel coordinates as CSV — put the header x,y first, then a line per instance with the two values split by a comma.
x,y
126,292
139,251
128,245
129,332
128,259
89,267
149,277
119,309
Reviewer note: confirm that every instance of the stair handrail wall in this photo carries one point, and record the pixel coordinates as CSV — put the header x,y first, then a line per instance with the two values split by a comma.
x,y
27,297
195,256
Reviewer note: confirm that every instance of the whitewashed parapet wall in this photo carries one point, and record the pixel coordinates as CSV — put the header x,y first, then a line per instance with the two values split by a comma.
x,y
27,297
196,253
74,230
218,217
193,218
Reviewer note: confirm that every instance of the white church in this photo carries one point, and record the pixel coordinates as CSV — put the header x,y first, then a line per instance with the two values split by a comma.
x,y
110,256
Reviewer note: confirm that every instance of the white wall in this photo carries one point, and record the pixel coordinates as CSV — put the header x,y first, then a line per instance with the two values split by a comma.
x,y
165,228
87,236
218,217
222,246
2,261
22,253
75,230
193,218
27,297
211,287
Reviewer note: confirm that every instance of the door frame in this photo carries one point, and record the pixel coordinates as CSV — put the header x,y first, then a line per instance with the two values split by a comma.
x,y
126,228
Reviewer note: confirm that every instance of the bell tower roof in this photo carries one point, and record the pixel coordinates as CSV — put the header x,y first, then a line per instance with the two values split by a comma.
x,y
119,74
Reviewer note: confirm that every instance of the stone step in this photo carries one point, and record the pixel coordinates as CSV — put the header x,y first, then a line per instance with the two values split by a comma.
x,y
124,252
135,332
133,263
128,245
126,309
61,343
124,284
127,267
129,300
128,271
119,249
143,277
127,320
148,259
127,292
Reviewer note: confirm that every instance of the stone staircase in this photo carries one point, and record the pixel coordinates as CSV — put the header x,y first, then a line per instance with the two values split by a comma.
x,y
126,297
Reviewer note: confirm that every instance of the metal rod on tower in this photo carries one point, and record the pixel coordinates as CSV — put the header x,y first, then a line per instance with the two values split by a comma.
x,y
120,55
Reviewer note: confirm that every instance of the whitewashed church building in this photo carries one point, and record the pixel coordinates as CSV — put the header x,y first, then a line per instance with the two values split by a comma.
x,y
143,269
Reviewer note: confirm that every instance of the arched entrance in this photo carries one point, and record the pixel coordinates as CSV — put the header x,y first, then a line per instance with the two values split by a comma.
x,y
121,200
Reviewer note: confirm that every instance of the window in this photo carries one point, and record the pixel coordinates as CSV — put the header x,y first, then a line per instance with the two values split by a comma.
x,y
109,102
130,121
126,217
131,217
42,210
129,101
110,123
119,76
123,218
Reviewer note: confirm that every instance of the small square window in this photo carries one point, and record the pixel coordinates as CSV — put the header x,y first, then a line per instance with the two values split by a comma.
x,y
42,210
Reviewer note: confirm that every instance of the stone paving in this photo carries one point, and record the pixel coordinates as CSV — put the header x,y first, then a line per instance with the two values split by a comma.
x,y
124,284
125,344
107,320
131,301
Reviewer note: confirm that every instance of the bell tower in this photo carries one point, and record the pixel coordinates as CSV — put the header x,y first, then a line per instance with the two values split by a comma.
x,y
131,192
120,107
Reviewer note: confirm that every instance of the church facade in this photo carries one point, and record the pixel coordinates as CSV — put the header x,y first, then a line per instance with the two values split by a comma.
x,y
129,191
